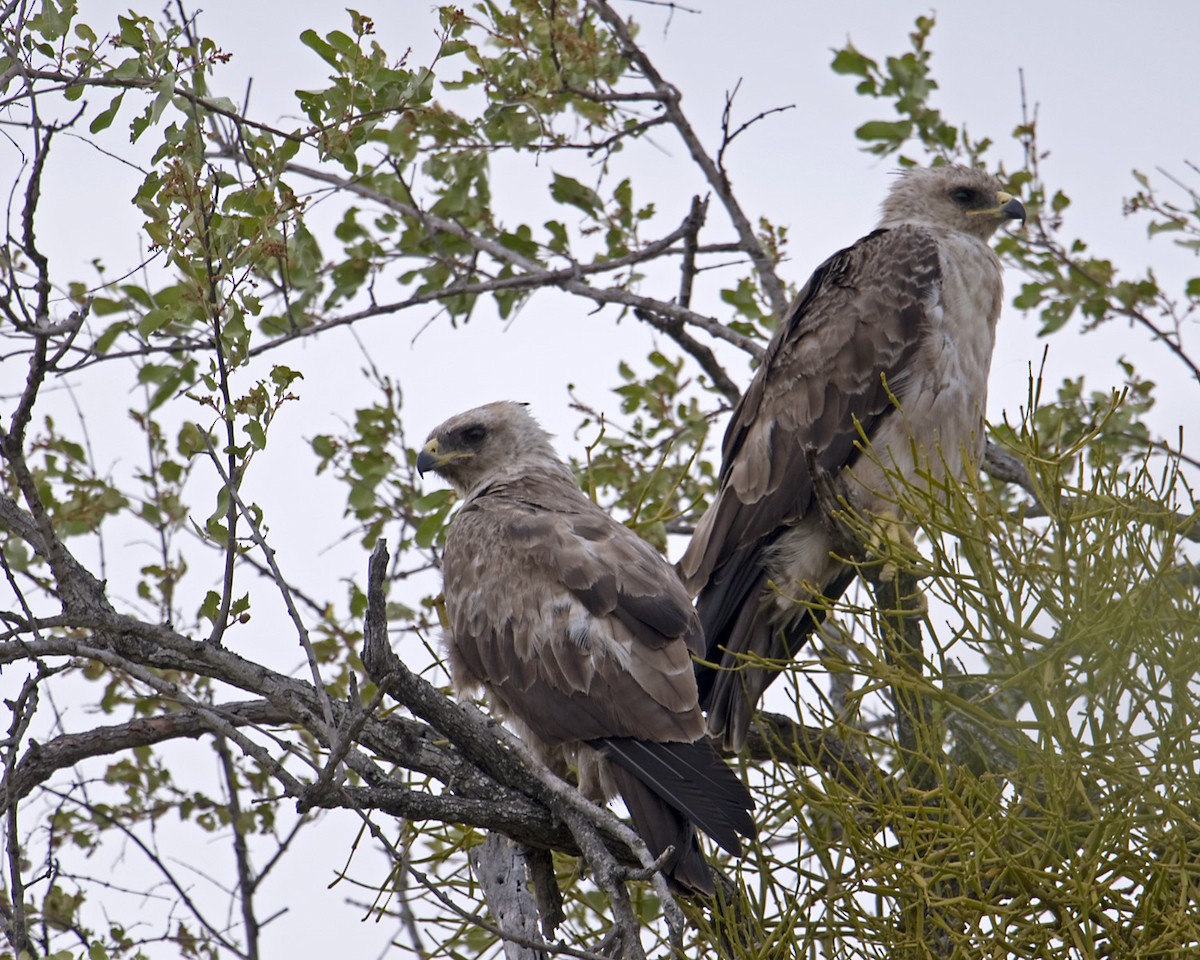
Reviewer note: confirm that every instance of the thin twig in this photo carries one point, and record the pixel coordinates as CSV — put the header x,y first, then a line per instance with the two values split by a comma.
x,y
247,882
285,592
669,96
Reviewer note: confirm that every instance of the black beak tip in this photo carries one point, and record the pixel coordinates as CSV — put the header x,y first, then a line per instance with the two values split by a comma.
x,y
426,461
1014,210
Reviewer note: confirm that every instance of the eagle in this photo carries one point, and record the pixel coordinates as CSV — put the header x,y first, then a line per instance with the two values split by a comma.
x,y
880,365
581,635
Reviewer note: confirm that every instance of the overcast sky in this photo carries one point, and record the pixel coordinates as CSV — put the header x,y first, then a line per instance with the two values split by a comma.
x,y
1111,87
1115,88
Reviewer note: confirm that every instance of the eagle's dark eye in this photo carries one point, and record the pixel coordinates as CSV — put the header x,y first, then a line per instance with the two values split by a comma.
x,y
963,196
474,434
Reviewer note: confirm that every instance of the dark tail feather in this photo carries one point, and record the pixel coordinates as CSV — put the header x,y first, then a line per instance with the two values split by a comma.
x,y
660,826
732,594
729,695
730,692
668,788
692,779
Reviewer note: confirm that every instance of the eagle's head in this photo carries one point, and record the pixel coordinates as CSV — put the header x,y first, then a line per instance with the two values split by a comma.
x,y
964,199
490,442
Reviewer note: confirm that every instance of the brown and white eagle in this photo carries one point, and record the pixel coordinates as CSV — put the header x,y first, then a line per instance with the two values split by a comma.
x,y
891,340
581,635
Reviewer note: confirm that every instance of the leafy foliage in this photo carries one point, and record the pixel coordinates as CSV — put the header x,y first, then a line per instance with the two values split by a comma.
x,y
1020,782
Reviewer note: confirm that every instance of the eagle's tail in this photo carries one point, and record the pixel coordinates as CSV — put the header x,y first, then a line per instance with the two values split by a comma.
x,y
745,632
671,788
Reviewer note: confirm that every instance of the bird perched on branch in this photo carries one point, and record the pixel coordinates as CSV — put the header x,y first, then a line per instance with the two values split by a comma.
x,y
581,635
889,342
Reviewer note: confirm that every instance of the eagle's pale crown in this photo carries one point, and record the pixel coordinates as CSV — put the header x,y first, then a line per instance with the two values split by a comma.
x,y
964,199
488,442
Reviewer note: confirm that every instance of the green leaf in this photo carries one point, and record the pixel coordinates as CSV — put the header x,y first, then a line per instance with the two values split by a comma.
x,y
884,130
223,103
105,118
154,321
313,41
131,33
104,307
105,341
1029,297
435,500
210,607
52,21
850,61
191,440
258,436
521,242
1055,316
129,69
427,530
1164,226
362,496
559,241
324,446
420,88
283,377
569,190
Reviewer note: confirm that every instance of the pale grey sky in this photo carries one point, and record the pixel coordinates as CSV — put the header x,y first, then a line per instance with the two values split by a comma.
x,y
1111,87
1115,85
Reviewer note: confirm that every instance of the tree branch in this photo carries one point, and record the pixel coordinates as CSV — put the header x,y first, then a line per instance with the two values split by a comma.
x,y
533,274
500,868
241,851
17,925
670,99
775,738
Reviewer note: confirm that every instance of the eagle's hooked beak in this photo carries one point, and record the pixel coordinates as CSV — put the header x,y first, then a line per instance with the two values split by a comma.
x,y
1010,207
428,458
432,458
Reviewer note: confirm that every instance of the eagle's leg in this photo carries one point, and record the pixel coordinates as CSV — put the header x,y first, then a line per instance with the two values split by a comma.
x,y
892,541
902,608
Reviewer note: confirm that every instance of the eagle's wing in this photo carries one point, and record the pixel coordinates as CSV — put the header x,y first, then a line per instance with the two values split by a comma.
x,y
838,364
838,359
576,624
581,632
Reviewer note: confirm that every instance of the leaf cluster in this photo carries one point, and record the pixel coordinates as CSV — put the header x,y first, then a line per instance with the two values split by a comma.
x,y
1009,771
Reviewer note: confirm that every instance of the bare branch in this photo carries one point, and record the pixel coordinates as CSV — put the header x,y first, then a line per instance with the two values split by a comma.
x,y
247,883
500,868
42,760
1006,468
776,294
23,709
268,552
727,137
